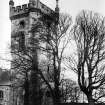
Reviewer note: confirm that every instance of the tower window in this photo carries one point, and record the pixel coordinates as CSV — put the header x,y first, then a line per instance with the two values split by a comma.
x,y
18,42
21,41
22,24
1,95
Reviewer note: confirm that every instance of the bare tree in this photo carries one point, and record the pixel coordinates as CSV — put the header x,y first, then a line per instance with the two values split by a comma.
x,y
57,38
21,67
89,35
54,37
70,91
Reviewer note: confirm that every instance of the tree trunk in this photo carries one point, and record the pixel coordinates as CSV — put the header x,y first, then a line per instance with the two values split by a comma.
x,y
34,81
26,95
34,90
56,96
90,99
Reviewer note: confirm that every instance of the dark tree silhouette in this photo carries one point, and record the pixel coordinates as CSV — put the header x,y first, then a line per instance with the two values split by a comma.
x,y
56,37
89,35
70,90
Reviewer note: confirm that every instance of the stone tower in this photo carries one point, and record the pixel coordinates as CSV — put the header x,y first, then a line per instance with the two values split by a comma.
x,y
22,19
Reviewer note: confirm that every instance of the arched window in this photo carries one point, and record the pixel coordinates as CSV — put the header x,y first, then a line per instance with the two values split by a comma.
x,y
1,94
19,41
22,24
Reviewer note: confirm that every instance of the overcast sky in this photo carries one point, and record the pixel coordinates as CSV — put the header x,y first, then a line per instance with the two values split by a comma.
x,y
72,7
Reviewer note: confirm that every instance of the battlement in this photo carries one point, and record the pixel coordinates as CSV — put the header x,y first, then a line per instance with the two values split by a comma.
x,y
18,10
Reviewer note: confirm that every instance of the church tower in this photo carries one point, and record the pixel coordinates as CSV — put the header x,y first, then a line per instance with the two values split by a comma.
x,y
22,19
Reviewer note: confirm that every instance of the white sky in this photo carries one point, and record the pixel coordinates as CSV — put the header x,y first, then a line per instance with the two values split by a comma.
x,y
71,7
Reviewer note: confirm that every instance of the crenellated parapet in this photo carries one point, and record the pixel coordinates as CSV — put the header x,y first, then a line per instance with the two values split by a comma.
x,y
23,10
18,10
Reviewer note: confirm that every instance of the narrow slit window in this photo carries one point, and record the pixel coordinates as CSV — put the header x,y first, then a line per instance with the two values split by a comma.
x,y
21,41
1,95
